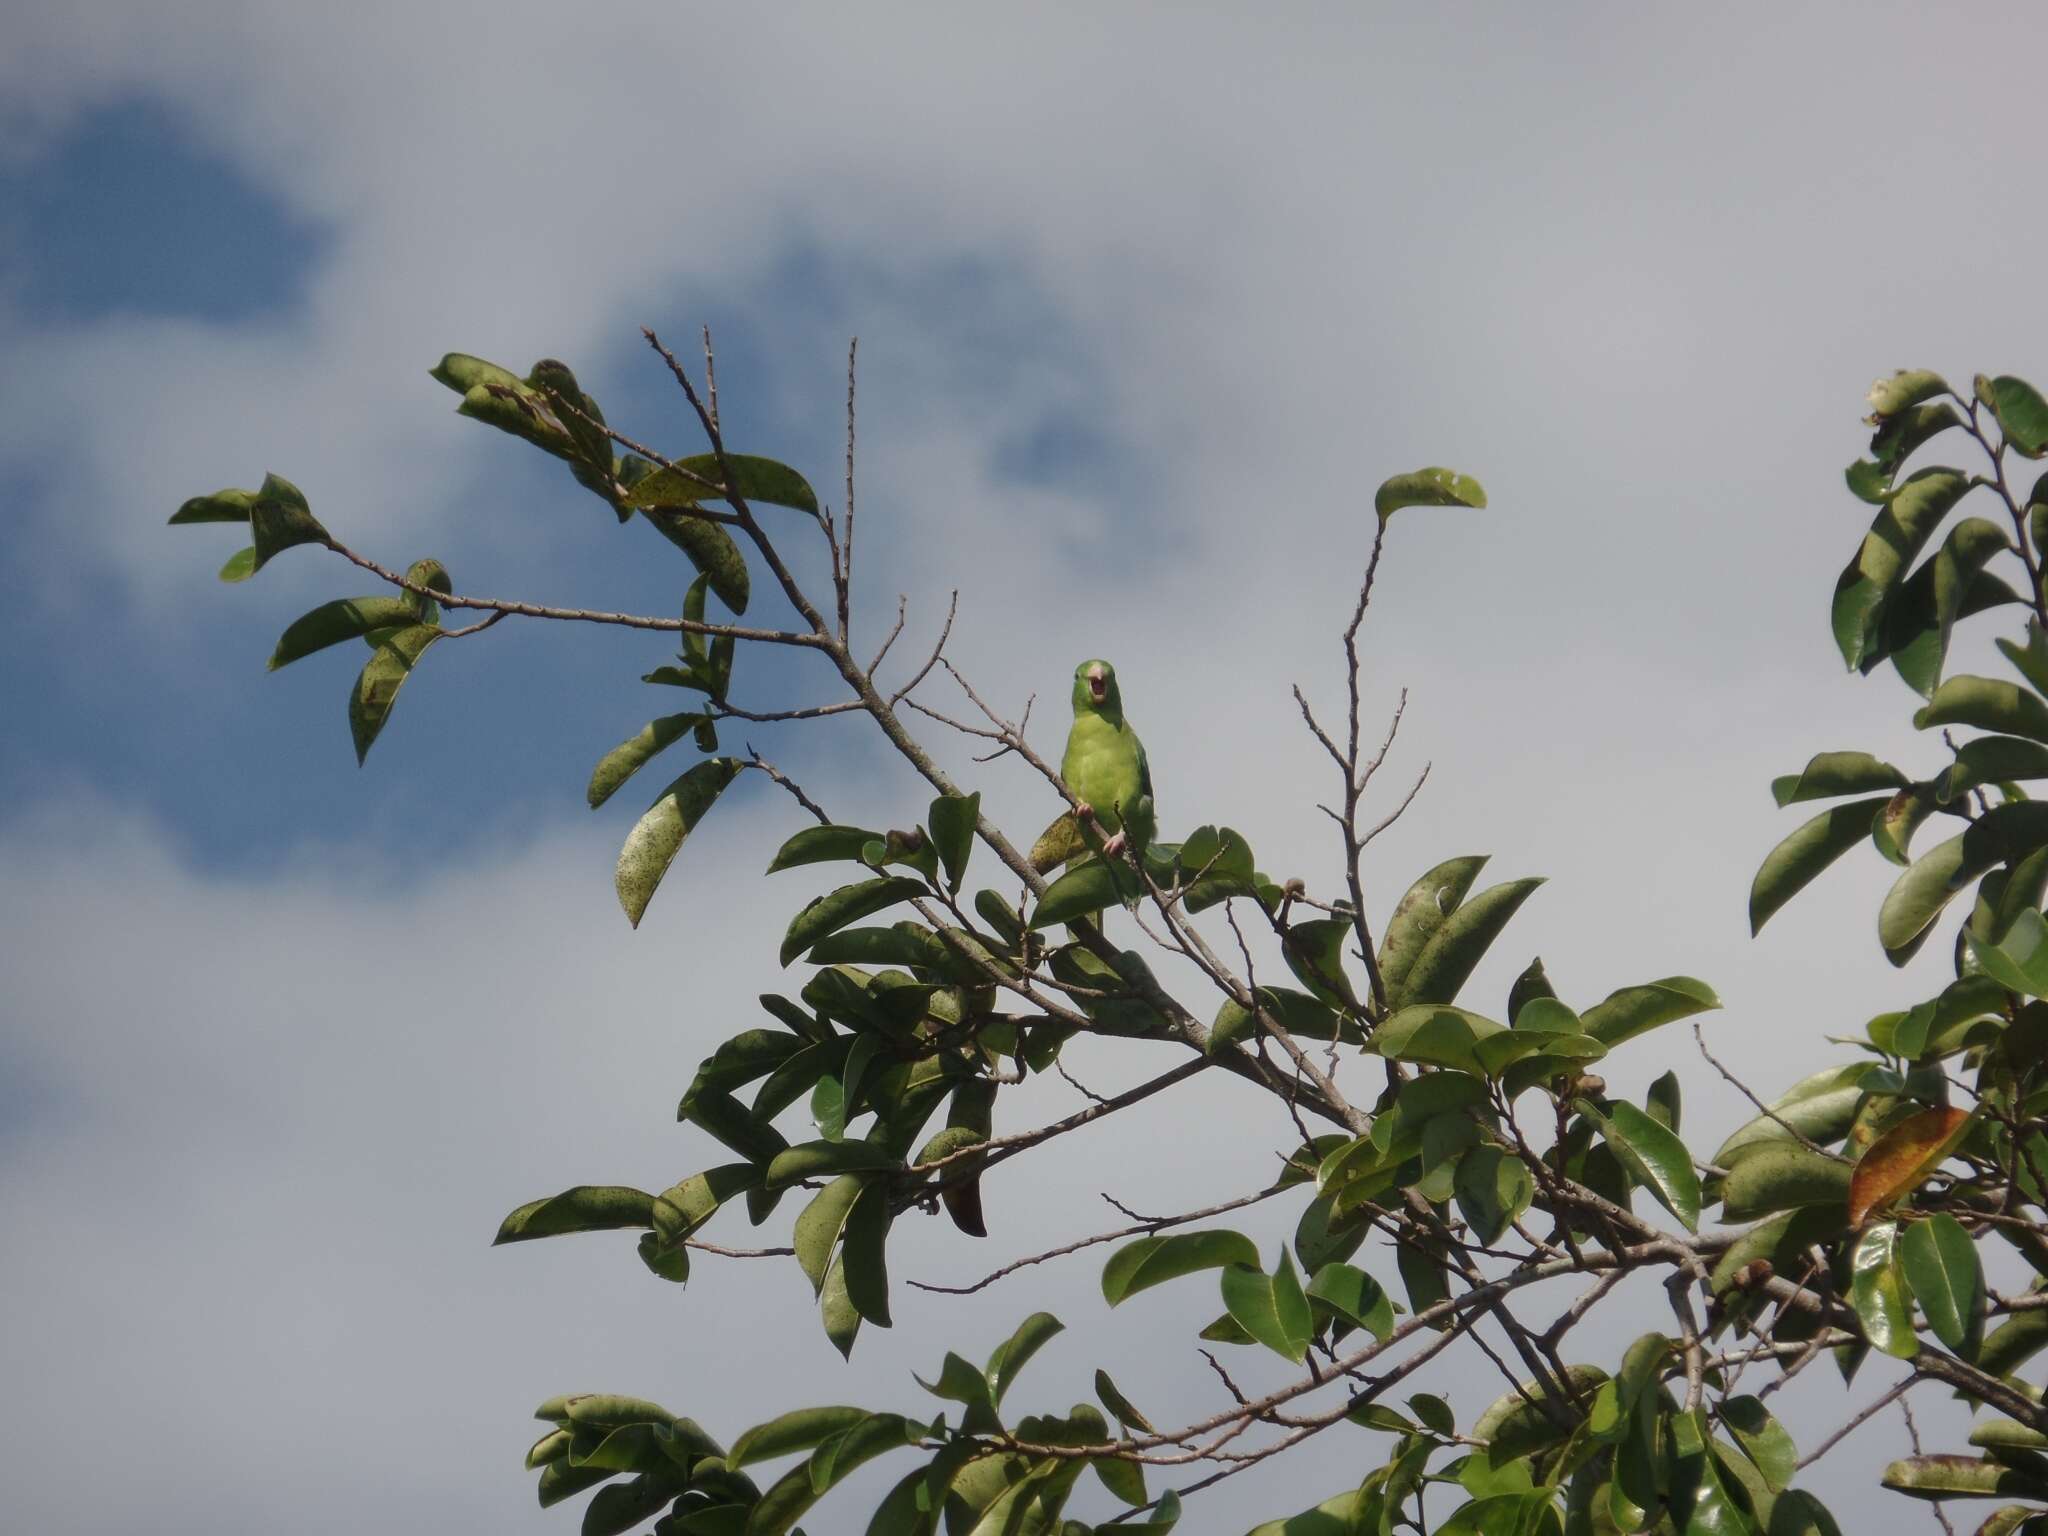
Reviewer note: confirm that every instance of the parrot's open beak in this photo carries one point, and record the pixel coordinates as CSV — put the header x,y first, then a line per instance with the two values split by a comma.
x,y
1098,686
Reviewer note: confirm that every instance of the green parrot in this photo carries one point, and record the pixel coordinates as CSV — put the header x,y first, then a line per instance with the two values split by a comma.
x,y
1106,769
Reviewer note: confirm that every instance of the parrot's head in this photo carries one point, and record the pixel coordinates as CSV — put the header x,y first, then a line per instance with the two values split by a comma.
x,y
1095,691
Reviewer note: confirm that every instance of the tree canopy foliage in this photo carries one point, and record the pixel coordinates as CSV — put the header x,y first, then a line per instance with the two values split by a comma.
x,y
1453,1158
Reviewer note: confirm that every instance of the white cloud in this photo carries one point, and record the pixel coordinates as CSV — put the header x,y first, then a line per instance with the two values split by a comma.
x,y
1633,272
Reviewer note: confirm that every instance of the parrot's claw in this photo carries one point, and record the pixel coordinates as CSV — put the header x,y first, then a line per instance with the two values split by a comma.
x,y
1114,847
1083,811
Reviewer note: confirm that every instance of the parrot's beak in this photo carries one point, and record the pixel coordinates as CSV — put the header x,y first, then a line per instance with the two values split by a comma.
x,y
1098,687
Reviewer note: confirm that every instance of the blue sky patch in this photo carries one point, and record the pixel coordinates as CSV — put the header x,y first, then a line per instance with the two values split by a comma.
x,y
128,214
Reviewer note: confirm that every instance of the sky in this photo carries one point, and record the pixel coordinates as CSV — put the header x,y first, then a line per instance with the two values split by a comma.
x,y
1149,300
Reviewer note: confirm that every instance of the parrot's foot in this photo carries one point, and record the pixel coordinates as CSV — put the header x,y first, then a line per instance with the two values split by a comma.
x,y
1114,847
1083,811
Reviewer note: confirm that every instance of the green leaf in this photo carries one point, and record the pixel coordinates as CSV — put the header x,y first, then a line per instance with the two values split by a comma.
x,y
240,566
1819,1107
1084,890
829,913
1657,1158
1419,913
1877,1289
1010,1355
862,1251
651,847
1355,1297
952,819
1791,866
347,618
1437,1035
1962,1477
960,1382
2030,659
279,519
1632,1011
1763,1440
818,845
1830,774
2022,413
629,757
228,506
1991,760
1127,1414
1903,526
1782,1176
1988,703
1920,619
1940,1263
1494,1188
2004,835
586,1208
1427,488
1907,387
784,1435
1150,1261
376,690
711,550
733,1124
1449,956
1270,1307
755,478
1314,952
2020,959
828,1159
819,1225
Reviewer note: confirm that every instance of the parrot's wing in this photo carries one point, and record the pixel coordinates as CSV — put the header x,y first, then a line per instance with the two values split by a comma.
x,y
1144,767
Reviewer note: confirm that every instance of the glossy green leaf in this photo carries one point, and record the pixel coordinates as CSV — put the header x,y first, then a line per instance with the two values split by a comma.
x,y
1791,866
1631,1011
2022,413
1922,615
1427,488
348,618
228,506
1763,1440
1011,1355
279,519
1436,1035
651,847
733,1124
1782,1176
2020,959
1877,1289
1654,1155
586,1208
1907,387
800,1430
1150,1261
1458,945
828,1159
1940,1264
1419,914
818,845
862,1251
1084,890
1493,1188
829,913
1355,1297
2030,659
1314,952
1272,1308
820,1224
376,689
1991,760
699,478
1127,1413
1988,703
629,757
1963,1477
2004,835
1831,774
952,820
1903,526
709,548
1819,1107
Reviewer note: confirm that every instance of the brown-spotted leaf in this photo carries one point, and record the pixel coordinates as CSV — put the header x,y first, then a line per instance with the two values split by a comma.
x,y
1902,1158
